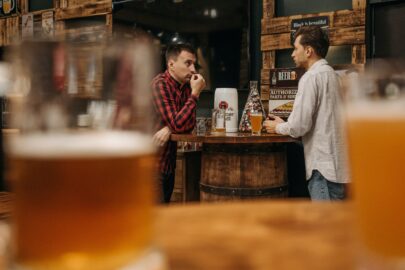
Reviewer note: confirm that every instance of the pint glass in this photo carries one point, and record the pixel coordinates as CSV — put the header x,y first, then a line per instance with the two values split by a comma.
x,y
83,163
375,123
256,119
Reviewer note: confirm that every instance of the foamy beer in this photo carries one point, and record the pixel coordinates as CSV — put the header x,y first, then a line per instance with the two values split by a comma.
x,y
82,199
256,119
84,196
375,123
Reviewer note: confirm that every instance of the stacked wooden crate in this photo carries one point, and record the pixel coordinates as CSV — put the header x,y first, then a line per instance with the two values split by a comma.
x,y
346,27
90,23
9,30
63,10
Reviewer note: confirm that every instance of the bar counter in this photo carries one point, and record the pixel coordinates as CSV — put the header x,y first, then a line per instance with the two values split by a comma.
x,y
237,166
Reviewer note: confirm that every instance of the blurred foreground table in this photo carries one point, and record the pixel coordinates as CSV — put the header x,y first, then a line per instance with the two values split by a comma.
x,y
248,235
263,235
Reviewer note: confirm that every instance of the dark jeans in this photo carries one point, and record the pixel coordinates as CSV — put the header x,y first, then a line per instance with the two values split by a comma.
x,y
166,186
321,189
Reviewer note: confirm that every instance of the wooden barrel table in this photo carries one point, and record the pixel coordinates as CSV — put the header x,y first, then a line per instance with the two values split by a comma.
x,y
237,166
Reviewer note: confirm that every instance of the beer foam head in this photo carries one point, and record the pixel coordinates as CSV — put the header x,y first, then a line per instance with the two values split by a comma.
x,y
88,144
369,110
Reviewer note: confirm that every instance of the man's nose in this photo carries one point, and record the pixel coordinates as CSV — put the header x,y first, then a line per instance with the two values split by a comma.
x,y
192,69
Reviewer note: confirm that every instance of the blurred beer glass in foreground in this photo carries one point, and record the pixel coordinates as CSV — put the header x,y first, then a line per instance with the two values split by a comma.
x,y
83,164
375,119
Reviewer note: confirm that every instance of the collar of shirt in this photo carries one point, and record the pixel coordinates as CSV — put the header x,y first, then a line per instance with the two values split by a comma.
x,y
318,63
173,81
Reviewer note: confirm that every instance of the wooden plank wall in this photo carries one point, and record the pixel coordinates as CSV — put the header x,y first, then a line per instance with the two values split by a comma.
x,y
69,9
347,27
9,30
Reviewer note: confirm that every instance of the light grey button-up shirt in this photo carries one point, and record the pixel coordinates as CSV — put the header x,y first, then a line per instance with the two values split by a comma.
x,y
315,118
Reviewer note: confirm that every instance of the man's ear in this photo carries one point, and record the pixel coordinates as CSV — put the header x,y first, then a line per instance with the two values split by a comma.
x,y
309,51
170,63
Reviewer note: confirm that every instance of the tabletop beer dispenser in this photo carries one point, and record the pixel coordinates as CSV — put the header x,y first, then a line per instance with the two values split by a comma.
x,y
227,98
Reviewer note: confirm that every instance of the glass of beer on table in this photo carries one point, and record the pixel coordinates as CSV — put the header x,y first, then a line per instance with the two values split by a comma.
x,y
83,165
256,120
375,125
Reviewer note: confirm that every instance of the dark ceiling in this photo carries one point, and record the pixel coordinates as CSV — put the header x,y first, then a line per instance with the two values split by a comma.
x,y
184,15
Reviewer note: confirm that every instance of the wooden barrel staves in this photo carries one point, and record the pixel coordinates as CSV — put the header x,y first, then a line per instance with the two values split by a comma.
x,y
243,171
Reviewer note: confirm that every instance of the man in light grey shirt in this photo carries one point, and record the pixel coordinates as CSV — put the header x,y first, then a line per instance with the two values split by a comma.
x,y
315,117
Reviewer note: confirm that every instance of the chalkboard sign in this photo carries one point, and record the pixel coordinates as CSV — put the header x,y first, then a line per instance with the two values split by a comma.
x,y
35,5
321,21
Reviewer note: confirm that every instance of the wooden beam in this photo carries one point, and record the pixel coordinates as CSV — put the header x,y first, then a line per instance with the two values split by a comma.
x,y
359,4
86,9
265,92
340,18
63,3
109,23
268,9
23,6
3,31
275,42
9,30
265,76
269,59
359,54
337,36
347,36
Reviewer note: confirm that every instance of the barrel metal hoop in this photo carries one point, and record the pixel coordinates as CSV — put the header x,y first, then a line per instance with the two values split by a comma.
x,y
234,191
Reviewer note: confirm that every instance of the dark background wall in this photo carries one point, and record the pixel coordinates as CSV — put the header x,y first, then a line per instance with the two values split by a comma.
x,y
386,29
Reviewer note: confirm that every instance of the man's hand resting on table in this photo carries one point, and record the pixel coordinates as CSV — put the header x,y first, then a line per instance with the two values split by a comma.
x,y
272,123
162,136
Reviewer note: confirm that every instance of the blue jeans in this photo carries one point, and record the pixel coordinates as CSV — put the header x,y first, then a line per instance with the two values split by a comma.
x,y
321,189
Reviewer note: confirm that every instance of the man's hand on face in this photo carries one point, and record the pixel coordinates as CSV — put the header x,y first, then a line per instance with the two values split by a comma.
x,y
197,84
162,136
272,123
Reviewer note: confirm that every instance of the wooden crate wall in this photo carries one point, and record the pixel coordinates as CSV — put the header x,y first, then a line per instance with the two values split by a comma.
x,y
9,30
92,33
68,9
64,10
10,27
346,27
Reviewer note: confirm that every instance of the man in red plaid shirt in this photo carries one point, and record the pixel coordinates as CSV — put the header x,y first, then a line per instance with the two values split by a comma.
x,y
175,96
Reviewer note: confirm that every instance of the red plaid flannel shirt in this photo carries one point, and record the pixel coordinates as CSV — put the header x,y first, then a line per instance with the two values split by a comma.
x,y
177,110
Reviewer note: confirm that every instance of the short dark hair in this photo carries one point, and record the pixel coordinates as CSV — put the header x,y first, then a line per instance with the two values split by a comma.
x,y
315,37
174,49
